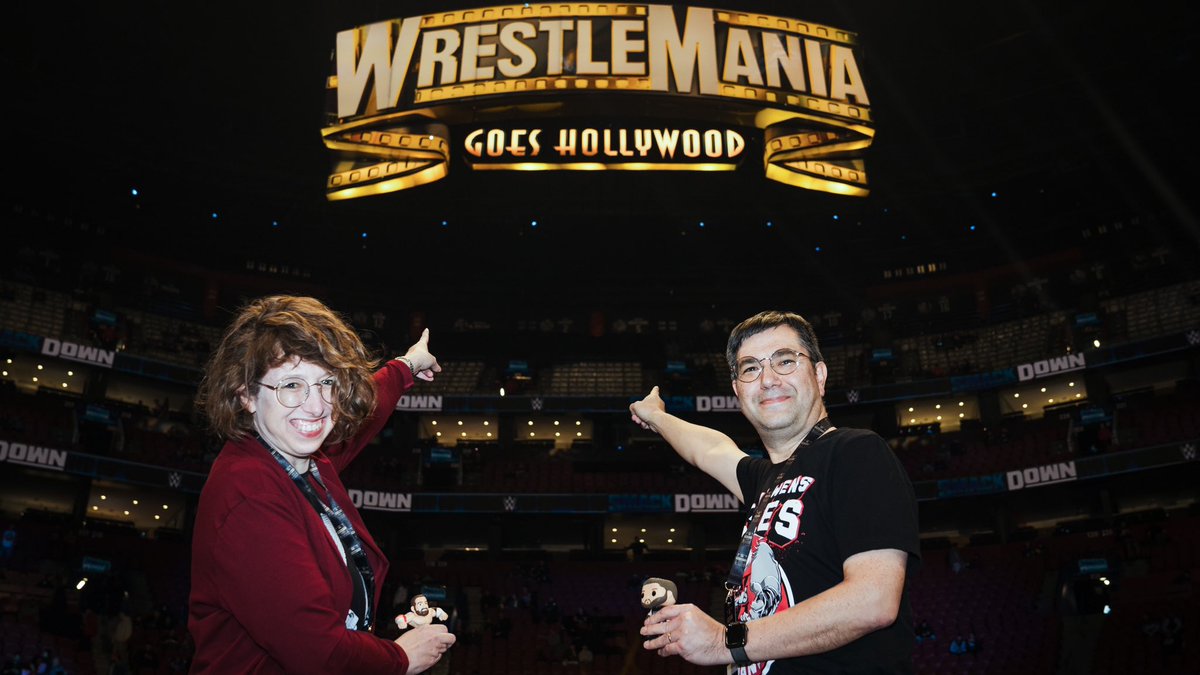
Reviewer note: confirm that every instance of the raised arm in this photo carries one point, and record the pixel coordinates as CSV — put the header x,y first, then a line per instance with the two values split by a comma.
x,y
391,381
707,449
418,359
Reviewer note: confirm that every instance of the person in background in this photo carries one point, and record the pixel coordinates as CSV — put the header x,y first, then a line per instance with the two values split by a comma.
x,y
958,645
285,576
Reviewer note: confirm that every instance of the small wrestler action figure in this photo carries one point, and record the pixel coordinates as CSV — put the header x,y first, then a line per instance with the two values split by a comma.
x,y
658,593
421,615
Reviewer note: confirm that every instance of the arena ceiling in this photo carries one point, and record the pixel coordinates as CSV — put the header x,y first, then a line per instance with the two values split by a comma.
x,y
1003,128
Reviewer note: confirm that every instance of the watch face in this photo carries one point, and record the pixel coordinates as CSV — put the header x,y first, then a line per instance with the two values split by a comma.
x,y
735,635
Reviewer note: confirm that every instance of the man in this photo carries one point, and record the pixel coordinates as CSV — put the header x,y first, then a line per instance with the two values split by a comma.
x,y
421,615
819,582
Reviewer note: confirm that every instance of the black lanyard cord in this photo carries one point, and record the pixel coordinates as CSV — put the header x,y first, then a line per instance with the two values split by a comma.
x,y
734,581
351,542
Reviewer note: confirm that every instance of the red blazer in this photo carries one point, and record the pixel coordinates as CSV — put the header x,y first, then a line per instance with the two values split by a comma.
x,y
270,591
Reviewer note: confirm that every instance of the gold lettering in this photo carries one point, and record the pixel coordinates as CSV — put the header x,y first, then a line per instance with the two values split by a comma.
x,y
526,58
514,144
734,143
608,149
371,44
533,142
845,77
472,50
712,143
554,43
624,150
566,143
691,143
816,67
589,140
622,47
693,54
790,60
740,60
666,138
495,143
438,48
472,144
643,140
584,65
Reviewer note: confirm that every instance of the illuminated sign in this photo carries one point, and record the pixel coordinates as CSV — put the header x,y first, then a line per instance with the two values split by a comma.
x,y
610,147
1046,474
718,403
381,501
1058,364
554,86
710,503
77,352
414,402
33,455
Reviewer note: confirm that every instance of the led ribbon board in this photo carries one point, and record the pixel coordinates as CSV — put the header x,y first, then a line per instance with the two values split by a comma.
x,y
595,86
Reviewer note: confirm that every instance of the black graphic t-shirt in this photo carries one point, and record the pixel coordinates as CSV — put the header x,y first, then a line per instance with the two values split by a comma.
x,y
845,494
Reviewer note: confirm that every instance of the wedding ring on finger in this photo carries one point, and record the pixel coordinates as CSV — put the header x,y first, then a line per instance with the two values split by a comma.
x,y
669,638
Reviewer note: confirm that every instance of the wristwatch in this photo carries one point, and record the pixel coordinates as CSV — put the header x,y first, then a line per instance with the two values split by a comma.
x,y
735,642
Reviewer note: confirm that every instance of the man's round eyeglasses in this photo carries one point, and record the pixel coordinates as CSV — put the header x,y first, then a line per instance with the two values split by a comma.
x,y
783,362
293,391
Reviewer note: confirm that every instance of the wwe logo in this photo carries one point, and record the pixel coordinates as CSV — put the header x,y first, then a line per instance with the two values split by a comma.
x,y
1188,450
1193,337
510,503
536,403
174,479
852,396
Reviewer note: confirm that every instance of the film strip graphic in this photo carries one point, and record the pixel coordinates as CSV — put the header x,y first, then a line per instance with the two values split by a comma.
x,y
816,159
561,83
585,10
532,10
387,160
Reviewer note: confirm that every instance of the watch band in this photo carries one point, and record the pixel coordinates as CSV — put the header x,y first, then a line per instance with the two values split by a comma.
x,y
739,656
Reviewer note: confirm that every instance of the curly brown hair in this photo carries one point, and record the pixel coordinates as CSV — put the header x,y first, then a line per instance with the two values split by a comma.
x,y
273,330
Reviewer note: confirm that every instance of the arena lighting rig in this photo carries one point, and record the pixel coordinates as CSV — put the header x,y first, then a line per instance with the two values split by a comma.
x,y
587,86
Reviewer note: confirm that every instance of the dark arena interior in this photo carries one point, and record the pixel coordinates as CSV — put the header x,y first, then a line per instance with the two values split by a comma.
x,y
1014,307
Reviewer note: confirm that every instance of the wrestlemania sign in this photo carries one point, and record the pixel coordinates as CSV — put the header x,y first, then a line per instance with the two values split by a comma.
x,y
595,86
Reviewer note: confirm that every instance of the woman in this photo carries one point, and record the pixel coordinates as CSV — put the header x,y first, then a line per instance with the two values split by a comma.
x,y
285,577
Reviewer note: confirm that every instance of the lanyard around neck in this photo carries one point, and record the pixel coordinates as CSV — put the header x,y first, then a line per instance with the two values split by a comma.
x,y
734,581
351,542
